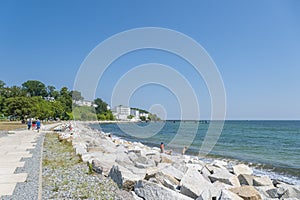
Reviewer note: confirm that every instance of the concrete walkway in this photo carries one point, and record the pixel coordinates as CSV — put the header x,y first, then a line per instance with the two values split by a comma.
x,y
13,148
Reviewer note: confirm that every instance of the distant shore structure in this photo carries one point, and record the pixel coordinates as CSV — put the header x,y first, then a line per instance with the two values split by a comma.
x,y
125,113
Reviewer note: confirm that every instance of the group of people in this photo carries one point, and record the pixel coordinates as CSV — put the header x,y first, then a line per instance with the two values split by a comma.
x,y
34,125
162,149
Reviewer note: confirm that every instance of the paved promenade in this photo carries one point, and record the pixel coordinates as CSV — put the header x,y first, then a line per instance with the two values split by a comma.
x,y
15,149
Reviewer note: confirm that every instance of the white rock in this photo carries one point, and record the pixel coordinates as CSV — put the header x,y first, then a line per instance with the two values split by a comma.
x,y
228,195
218,187
144,162
205,195
135,197
290,191
193,184
246,179
132,156
150,191
242,169
225,177
166,180
220,163
123,177
172,171
262,181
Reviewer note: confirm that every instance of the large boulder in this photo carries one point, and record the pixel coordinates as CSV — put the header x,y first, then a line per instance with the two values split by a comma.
x,y
228,195
225,177
124,178
144,162
96,166
285,191
122,157
172,171
218,187
166,180
242,169
193,184
149,191
205,195
246,179
263,191
247,192
166,159
181,166
262,181
132,156
220,163
106,161
80,148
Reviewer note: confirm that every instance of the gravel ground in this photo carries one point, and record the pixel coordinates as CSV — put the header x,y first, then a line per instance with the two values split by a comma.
x,y
65,176
29,189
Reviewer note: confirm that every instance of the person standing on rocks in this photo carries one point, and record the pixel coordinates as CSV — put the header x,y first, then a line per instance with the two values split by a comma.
x,y
162,147
184,150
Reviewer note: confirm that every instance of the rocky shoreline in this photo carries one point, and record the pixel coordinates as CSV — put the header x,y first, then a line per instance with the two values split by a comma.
x,y
148,174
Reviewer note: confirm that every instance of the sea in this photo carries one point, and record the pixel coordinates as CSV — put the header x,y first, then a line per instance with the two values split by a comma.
x,y
270,147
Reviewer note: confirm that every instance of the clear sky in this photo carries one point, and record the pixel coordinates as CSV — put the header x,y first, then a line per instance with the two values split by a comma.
x,y
255,45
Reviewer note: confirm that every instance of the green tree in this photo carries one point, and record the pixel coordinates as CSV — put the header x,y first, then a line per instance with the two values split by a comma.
x,y
101,106
15,91
143,118
65,98
35,88
76,95
52,92
18,106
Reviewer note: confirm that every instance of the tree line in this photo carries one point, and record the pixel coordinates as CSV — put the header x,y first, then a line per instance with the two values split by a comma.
x,y
33,99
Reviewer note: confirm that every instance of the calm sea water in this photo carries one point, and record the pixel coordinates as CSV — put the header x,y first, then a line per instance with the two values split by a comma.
x,y
270,147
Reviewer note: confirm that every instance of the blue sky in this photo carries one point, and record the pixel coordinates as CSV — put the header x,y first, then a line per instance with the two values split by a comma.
x,y
255,45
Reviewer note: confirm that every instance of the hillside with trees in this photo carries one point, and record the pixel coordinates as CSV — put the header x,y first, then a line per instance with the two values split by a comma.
x,y
33,99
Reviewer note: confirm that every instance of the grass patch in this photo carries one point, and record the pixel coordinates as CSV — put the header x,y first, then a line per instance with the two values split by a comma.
x,y
65,176
8,126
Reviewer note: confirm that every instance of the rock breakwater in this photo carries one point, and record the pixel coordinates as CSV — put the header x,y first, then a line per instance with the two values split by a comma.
x,y
149,174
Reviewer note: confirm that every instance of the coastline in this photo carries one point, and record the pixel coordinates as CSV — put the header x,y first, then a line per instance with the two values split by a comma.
x,y
134,167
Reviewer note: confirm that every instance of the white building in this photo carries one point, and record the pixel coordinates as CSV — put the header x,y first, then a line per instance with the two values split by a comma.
x,y
134,112
121,112
85,103
144,115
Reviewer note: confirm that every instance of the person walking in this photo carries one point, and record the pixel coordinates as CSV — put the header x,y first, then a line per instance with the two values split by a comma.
x,y
38,125
29,124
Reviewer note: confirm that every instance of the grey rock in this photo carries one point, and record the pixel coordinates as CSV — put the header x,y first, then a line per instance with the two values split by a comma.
x,y
242,169
144,162
123,177
262,181
193,184
205,195
245,179
150,191
166,180
96,166
172,171
225,177
132,156
290,191
218,187
228,195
